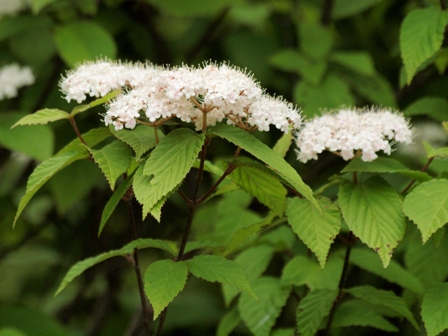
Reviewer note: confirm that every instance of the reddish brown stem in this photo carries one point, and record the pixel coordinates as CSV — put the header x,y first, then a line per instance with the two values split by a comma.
x,y
405,190
75,127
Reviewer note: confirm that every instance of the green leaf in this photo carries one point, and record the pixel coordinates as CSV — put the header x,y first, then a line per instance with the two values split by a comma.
x,y
192,8
376,89
385,165
421,36
140,139
36,142
293,61
37,5
258,181
219,269
315,40
228,322
254,262
92,138
84,40
304,271
434,107
164,279
8,331
15,25
316,230
243,234
435,309
384,298
34,47
260,315
42,117
331,93
360,313
313,309
114,159
283,144
113,202
426,261
281,237
372,210
441,60
78,268
346,8
44,172
283,332
89,7
432,152
73,184
394,273
30,322
166,167
258,149
427,206
357,61
99,101
254,15
219,221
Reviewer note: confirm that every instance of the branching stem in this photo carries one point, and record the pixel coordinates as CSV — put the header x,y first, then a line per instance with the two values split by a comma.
x,y
351,239
193,205
230,168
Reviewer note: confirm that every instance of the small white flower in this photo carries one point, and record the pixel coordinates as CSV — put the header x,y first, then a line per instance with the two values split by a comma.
x,y
351,132
12,7
214,91
96,79
273,111
12,78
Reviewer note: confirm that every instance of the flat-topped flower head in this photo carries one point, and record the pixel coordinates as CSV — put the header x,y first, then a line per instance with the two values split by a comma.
x,y
214,92
350,133
12,78
273,111
96,79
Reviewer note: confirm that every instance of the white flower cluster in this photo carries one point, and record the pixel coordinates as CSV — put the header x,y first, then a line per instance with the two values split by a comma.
x,y
353,132
218,91
96,79
11,7
12,78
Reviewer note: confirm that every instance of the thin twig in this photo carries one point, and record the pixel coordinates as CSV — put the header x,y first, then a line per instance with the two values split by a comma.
x,y
327,9
405,190
230,168
351,239
156,134
75,127
138,273
194,200
355,178
162,321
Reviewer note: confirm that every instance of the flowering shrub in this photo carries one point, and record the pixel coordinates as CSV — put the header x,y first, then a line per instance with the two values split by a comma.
x,y
230,231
